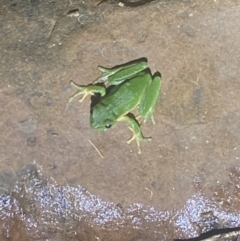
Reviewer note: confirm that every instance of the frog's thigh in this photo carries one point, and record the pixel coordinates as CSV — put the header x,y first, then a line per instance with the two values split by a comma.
x,y
149,99
126,72
117,75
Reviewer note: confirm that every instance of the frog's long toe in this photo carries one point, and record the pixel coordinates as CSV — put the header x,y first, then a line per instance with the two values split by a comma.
x,y
138,137
82,90
79,92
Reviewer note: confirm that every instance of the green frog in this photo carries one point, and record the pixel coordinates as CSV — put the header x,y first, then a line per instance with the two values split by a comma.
x,y
132,85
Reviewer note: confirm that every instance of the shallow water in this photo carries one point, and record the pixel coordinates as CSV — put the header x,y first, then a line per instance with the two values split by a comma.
x,y
40,208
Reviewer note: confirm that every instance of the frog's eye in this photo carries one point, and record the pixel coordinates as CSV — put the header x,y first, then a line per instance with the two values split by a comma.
x,y
107,123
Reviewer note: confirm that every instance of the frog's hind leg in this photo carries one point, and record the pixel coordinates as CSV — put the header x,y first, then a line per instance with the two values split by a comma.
x,y
148,102
86,90
118,74
136,129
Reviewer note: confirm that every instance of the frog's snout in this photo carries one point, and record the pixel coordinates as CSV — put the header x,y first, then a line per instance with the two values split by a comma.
x,y
100,124
95,124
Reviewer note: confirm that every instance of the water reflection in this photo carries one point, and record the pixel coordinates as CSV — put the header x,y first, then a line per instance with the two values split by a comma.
x,y
45,207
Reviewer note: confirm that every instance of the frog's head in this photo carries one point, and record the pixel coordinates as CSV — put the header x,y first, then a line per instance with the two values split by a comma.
x,y
100,120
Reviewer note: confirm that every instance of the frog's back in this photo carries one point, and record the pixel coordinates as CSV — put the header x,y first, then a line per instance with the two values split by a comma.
x,y
125,97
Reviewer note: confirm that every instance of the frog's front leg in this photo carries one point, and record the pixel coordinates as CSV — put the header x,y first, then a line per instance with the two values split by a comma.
x,y
87,90
137,133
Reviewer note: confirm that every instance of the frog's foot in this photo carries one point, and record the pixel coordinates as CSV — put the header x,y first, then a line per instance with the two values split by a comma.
x,y
138,137
138,117
137,134
86,90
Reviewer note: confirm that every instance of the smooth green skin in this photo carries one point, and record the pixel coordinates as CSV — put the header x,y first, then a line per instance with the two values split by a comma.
x,y
133,86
